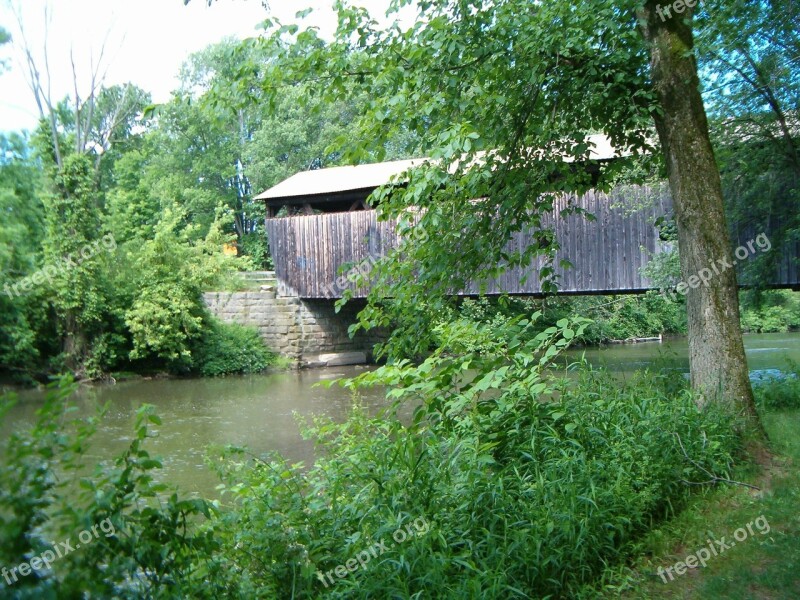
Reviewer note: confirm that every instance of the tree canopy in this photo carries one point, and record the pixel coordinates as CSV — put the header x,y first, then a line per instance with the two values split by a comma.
x,y
503,93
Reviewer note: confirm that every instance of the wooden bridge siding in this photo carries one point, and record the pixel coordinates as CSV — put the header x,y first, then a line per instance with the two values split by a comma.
x,y
308,250
788,269
607,253
790,266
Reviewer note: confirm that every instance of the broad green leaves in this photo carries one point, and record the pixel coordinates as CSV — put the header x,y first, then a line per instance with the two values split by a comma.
x,y
166,315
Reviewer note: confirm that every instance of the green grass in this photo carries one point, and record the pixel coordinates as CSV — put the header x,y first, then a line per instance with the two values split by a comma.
x,y
760,566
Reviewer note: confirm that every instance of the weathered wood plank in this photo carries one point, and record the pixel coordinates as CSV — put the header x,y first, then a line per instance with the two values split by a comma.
x,y
607,253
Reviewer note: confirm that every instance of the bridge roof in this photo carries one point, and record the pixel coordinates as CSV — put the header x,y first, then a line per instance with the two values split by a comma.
x,y
334,180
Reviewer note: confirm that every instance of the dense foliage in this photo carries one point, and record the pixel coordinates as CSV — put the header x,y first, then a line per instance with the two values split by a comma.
x,y
231,348
23,227
612,318
511,478
771,312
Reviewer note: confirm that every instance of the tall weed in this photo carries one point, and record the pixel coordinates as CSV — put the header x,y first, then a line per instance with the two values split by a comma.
x,y
531,486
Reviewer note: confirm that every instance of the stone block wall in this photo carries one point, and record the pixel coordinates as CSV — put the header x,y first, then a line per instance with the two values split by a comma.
x,y
298,329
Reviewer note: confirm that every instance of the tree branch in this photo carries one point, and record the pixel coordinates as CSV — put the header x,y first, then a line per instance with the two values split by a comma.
x,y
712,478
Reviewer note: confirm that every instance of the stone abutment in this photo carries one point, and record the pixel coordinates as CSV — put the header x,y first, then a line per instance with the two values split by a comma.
x,y
308,332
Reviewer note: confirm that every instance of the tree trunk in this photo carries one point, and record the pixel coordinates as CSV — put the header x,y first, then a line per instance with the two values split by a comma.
x,y
716,350
75,345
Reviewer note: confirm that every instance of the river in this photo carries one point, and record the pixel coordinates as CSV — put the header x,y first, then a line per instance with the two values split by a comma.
x,y
259,411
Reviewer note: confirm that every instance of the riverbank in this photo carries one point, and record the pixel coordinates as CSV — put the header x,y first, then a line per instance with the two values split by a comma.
x,y
762,564
257,410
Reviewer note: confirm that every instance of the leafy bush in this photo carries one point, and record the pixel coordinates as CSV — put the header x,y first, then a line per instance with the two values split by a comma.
x,y
18,350
228,348
531,487
166,315
151,545
634,316
624,317
770,311
256,247
613,318
779,390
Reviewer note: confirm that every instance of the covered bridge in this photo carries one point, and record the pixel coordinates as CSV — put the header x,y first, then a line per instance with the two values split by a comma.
x,y
319,224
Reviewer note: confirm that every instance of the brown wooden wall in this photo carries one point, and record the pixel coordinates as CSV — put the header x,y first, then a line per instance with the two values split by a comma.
x,y
607,253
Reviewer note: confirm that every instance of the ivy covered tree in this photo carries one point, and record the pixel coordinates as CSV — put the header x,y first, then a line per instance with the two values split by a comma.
x,y
71,249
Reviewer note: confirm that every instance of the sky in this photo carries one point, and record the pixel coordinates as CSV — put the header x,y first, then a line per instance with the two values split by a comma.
x,y
147,41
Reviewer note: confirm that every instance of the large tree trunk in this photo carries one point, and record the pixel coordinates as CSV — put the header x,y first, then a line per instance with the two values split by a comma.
x,y
716,349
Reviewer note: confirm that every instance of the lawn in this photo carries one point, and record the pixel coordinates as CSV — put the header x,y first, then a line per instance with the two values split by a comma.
x,y
761,563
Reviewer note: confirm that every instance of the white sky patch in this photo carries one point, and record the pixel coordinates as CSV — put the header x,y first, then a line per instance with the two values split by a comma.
x,y
147,41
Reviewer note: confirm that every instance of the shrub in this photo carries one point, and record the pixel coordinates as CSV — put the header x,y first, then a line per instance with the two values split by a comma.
x,y
255,246
770,311
166,315
531,487
146,540
778,390
613,318
228,348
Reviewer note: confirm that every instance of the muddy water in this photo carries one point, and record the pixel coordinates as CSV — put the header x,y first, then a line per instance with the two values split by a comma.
x,y
256,411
